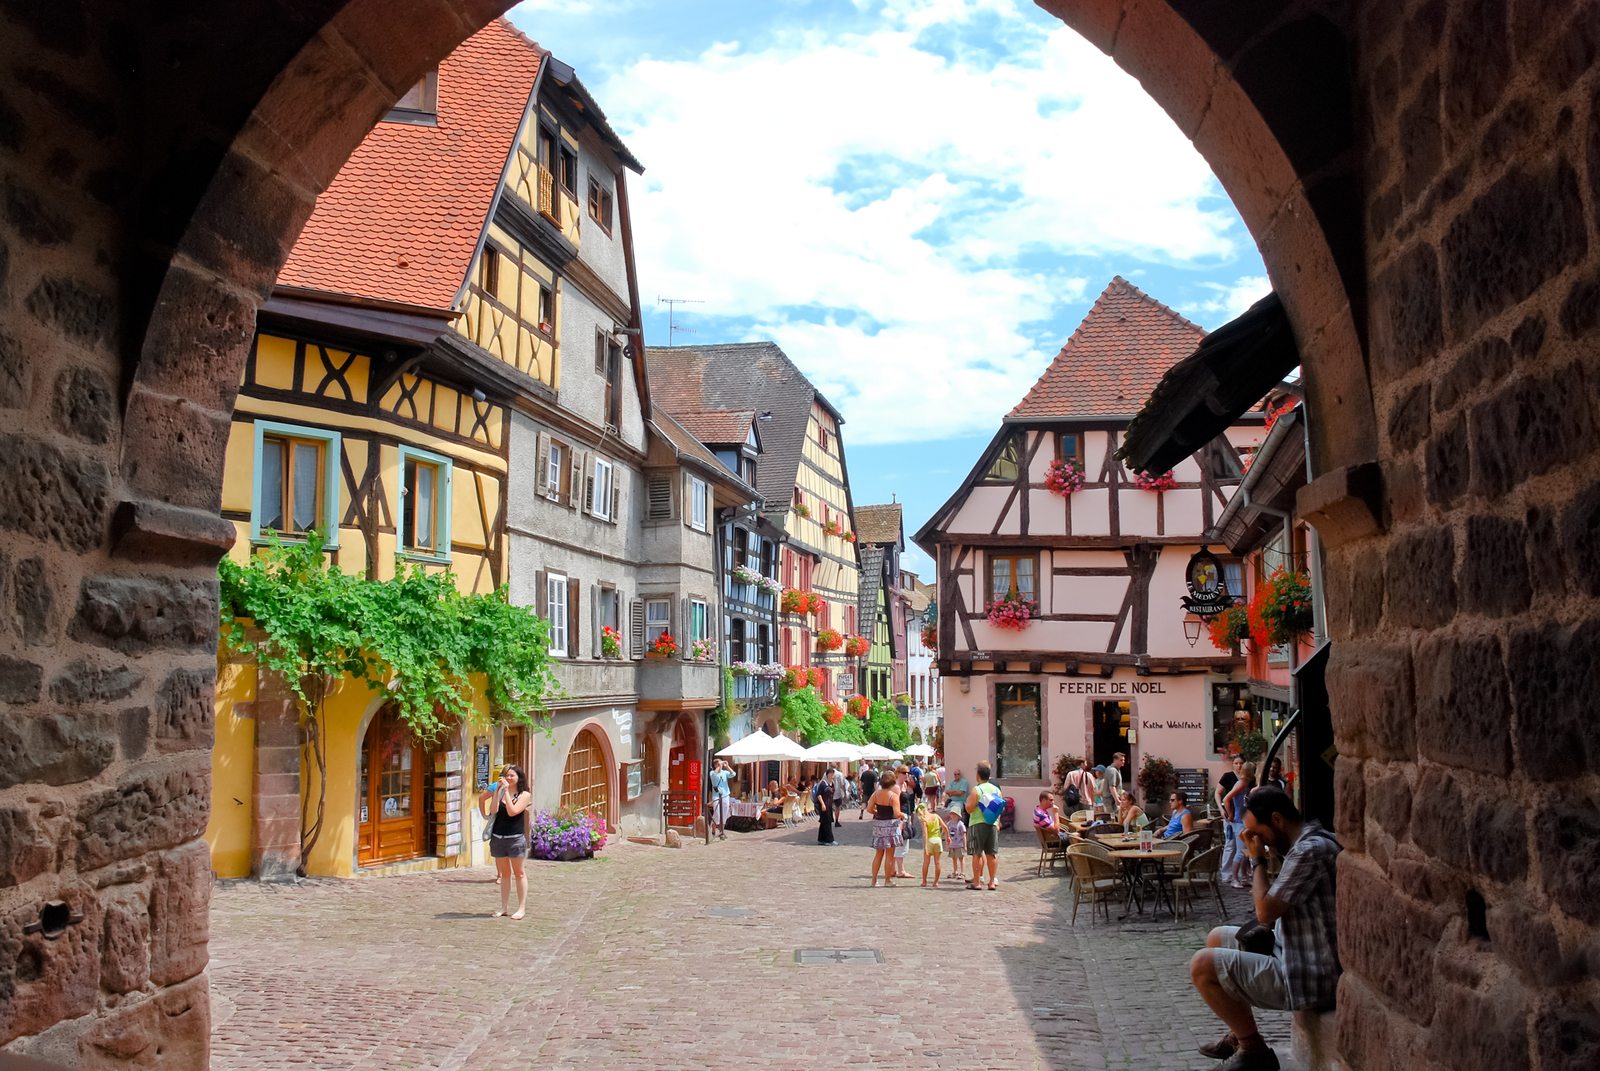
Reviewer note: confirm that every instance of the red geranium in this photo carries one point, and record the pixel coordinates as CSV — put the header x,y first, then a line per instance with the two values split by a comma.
x,y
817,677
1063,477
1153,481
856,646
858,706
829,639
834,713
1011,613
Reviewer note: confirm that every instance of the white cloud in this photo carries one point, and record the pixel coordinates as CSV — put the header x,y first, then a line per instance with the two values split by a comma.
x,y
883,212
1230,299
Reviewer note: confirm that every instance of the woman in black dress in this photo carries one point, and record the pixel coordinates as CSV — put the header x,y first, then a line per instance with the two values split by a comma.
x,y
824,812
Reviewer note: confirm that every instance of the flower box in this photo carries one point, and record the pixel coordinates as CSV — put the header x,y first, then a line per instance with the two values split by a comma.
x,y
664,647
1062,477
703,651
1162,481
1011,614
802,602
1281,609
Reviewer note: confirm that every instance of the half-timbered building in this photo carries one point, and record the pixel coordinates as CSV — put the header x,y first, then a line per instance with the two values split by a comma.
x,y
880,536
1059,574
803,482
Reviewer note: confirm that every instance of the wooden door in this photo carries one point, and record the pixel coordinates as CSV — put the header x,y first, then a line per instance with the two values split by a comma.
x,y
391,784
513,747
586,781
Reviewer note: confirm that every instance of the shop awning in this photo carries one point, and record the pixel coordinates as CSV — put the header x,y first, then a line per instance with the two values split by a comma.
x,y
1200,396
1267,491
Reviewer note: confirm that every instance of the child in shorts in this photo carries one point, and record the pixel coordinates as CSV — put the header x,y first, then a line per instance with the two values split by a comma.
x,y
933,838
956,837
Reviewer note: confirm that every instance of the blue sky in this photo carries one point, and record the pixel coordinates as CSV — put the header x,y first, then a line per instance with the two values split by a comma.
x,y
917,199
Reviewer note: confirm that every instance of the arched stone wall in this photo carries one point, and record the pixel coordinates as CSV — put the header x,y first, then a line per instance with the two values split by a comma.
x,y
1421,175
155,167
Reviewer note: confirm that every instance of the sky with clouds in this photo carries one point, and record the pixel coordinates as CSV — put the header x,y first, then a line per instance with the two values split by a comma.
x,y
917,199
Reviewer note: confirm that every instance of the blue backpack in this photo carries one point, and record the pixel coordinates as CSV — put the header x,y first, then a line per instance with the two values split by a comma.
x,y
992,805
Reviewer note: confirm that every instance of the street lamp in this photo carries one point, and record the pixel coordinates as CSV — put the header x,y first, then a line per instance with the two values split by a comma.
x,y
1191,628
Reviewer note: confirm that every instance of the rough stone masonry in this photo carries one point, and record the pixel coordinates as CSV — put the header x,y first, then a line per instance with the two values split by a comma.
x,y
1423,179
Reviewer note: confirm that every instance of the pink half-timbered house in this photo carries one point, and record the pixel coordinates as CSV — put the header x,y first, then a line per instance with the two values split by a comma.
x,y
1101,661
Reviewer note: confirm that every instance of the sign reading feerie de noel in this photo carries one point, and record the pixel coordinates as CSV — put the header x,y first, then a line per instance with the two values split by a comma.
x,y
1113,688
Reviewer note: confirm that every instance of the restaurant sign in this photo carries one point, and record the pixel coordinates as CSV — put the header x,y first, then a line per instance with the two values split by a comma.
x,y
1208,593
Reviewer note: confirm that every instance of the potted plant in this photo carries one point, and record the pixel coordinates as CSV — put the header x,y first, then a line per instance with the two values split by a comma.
x,y
1229,628
817,677
801,509
610,643
832,527
564,835
930,635
829,639
1063,477
1155,481
1156,777
745,575
1281,609
833,712
1011,612
1248,744
664,647
858,706
856,646
703,650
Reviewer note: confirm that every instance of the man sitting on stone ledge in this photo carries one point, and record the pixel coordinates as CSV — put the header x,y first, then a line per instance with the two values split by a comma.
x,y
1303,971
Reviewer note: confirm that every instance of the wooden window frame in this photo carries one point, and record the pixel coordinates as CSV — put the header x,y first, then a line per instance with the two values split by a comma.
x,y
699,513
993,555
1078,447
665,624
568,175
329,508
601,201
441,506
426,110
560,623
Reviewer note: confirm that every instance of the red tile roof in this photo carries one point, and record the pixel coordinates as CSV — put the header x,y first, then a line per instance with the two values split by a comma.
x,y
1113,360
717,427
401,219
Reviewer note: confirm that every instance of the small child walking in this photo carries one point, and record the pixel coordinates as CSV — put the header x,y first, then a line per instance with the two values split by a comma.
x,y
934,834
956,836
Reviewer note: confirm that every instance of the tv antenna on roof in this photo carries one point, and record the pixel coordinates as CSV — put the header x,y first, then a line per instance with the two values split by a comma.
x,y
672,304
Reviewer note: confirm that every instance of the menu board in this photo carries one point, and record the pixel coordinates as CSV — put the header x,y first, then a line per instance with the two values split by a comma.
x,y
1193,782
633,777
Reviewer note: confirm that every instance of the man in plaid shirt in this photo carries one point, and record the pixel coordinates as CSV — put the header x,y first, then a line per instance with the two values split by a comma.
x,y
1303,972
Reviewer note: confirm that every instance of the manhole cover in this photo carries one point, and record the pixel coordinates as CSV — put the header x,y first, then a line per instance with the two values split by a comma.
x,y
813,957
729,912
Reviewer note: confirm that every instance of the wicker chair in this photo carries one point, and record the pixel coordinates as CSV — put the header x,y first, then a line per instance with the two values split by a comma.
x,y
1080,817
1200,872
1051,850
1093,879
788,811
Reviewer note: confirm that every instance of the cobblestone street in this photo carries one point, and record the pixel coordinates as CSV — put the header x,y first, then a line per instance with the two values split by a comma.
x,y
647,958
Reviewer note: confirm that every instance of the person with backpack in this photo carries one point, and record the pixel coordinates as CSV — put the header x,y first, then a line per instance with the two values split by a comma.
x,y
984,807
1078,795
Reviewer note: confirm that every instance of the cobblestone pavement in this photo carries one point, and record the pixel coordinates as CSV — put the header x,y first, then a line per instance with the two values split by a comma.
x,y
640,958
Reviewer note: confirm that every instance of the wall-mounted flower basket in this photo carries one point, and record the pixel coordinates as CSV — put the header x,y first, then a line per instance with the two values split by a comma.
x,y
664,647
1229,628
1063,477
834,713
858,706
1011,614
856,646
833,527
802,602
1281,609
829,639
930,636
817,678
1155,481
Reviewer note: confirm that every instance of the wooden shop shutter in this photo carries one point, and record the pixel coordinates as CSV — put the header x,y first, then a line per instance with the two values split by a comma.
x,y
541,594
636,627
574,602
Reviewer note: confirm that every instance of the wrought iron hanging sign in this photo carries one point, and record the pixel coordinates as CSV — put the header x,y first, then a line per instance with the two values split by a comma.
x,y
1208,592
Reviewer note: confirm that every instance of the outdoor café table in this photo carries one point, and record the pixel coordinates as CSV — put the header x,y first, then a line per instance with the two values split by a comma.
x,y
745,808
1133,867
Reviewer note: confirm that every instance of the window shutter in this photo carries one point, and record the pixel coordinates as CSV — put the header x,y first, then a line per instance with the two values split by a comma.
x,y
684,638
636,627
574,610
594,618
540,486
541,595
660,499
616,497
688,503
588,482
599,353
572,487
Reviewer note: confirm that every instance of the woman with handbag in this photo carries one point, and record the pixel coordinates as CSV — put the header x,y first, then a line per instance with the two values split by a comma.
x,y
507,829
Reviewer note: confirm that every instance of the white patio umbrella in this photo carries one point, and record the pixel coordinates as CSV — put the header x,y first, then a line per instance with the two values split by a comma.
x,y
878,751
919,750
832,751
752,748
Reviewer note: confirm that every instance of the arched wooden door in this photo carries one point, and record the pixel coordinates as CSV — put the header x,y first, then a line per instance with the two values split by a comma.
x,y
391,820
586,781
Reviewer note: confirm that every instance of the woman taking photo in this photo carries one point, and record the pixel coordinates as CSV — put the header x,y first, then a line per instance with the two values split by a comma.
x,y
886,819
508,835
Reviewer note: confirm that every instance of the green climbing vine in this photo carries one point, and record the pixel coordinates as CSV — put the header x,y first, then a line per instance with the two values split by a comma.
x,y
415,635
885,726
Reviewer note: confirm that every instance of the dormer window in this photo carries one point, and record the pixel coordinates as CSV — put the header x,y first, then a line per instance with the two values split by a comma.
x,y
419,105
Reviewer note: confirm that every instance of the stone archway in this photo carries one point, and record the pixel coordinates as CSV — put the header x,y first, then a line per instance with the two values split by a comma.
x,y
1422,179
